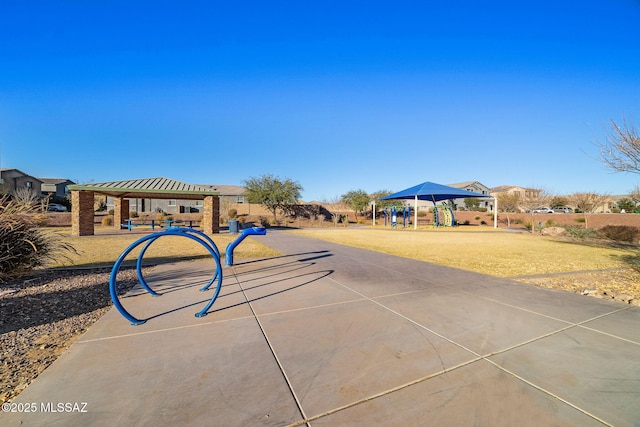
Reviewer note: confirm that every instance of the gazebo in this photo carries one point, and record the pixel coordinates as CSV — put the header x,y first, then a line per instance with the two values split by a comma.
x,y
82,197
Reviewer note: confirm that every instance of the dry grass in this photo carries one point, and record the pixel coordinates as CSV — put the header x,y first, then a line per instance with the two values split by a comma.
x,y
497,253
104,250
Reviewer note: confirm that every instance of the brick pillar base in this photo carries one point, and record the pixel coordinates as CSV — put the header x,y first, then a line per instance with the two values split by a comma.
x,y
120,212
82,213
211,216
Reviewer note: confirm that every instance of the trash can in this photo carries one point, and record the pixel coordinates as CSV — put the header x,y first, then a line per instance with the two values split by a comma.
x,y
233,226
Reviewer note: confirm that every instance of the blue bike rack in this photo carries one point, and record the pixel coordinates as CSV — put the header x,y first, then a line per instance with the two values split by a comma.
x,y
228,255
192,234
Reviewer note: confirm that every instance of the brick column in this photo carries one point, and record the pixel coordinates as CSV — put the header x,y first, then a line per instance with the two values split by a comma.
x,y
82,213
120,212
211,216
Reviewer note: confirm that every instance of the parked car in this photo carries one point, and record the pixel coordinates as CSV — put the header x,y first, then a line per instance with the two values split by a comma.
x,y
55,207
562,209
543,210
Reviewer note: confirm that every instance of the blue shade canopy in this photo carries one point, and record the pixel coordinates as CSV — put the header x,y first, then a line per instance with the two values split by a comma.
x,y
433,192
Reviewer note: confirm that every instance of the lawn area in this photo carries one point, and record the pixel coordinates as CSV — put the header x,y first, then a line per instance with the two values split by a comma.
x,y
498,253
103,250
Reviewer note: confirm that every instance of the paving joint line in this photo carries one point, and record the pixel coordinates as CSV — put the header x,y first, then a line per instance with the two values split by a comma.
x,y
273,352
481,357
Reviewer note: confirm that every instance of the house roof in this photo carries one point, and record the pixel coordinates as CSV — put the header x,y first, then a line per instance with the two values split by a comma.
x,y
226,190
19,172
56,181
465,184
149,188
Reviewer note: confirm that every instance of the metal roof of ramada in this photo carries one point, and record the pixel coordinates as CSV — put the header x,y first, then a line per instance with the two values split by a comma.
x,y
148,188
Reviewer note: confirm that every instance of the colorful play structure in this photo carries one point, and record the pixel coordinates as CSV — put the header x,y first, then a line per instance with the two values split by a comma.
x,y
442,216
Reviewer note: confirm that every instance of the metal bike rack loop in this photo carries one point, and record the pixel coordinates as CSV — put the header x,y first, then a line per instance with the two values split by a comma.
x,y
189,233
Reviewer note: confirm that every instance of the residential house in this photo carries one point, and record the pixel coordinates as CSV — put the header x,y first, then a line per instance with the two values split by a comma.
x,y
526,195
475,187
55,187
14,180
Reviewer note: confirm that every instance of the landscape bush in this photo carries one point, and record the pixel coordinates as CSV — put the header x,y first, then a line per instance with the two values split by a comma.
x,y
107,221
581,232
24,246
620,233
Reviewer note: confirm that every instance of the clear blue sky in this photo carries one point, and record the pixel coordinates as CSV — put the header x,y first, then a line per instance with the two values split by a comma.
x,y
336,95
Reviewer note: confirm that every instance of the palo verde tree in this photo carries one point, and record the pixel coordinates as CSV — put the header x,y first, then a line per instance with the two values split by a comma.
x,y
381,204
358,200
472,203
272,192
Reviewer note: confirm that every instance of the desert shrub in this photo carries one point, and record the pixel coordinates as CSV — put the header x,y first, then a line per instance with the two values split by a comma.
x,y
581,232
620,233
41,220
23,245
111,212
476,217
466,222
580,219
549,223
233,213
483,222
107,221
528,225
264,222
482,209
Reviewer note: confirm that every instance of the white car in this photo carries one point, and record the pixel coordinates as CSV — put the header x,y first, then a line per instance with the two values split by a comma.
x,y
55,207
543,210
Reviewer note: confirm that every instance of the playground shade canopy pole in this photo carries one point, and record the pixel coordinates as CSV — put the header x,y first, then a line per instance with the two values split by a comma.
x,y
433,192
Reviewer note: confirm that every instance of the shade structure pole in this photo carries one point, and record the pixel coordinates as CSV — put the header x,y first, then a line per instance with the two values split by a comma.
x,y
415,212
373,213
495,212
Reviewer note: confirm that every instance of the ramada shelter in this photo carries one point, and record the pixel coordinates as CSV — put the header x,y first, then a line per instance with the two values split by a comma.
x,y
82,200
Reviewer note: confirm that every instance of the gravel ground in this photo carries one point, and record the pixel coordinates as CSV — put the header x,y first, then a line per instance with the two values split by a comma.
x,y
43,315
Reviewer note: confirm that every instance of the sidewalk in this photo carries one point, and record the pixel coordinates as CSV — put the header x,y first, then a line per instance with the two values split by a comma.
x,y
328,335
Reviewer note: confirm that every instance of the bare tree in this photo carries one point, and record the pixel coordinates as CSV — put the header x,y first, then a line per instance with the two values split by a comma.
x,y
335,205
620,150
635,194
589,203
508,202
531,200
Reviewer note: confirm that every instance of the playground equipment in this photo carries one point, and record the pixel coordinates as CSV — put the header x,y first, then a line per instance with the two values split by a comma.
x,y
443,216
392,214
189,233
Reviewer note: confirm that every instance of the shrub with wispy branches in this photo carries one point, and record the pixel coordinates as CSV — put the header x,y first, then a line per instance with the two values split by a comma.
x,y
23,245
